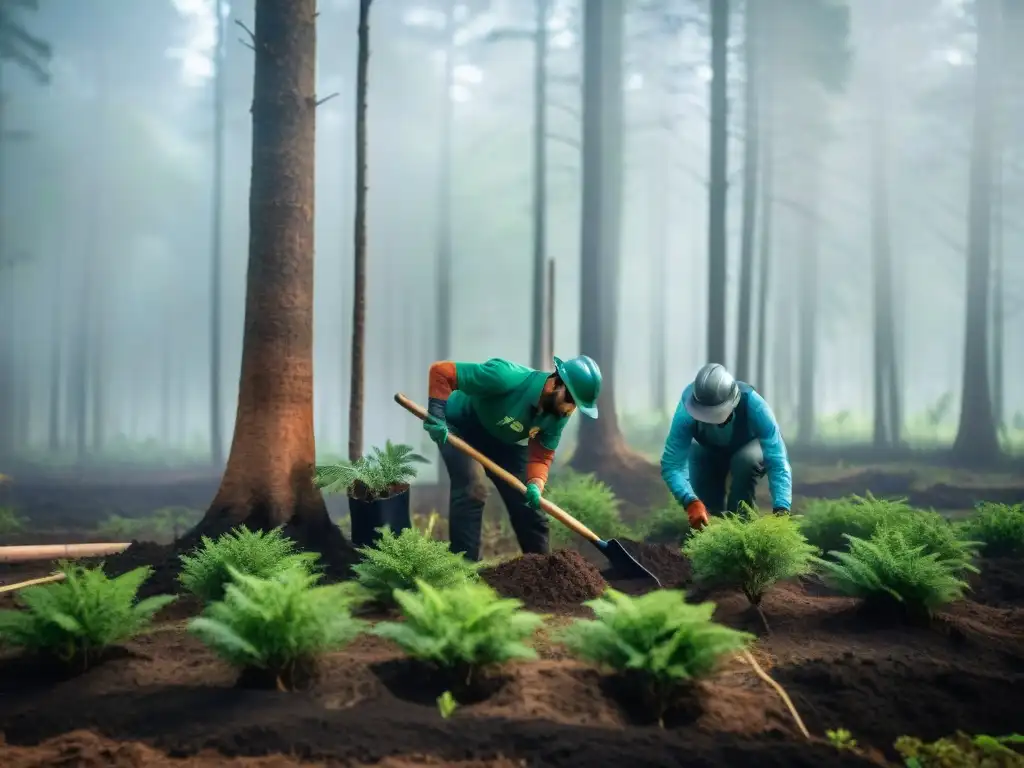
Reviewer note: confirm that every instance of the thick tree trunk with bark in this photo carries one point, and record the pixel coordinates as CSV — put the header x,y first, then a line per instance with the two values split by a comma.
x,y
601,447
977,440
358,368
268,478
719,185
750,168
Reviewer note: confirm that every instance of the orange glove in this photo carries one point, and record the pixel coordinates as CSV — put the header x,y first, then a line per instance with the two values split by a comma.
x,y
697,513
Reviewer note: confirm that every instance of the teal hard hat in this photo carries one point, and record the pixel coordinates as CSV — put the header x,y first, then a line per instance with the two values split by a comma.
x,y
582,378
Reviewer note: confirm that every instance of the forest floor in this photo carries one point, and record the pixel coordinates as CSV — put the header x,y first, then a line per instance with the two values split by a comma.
x,y
165,700
61,505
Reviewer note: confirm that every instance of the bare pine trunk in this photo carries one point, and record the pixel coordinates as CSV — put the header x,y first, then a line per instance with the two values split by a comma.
x,y
537,341
216,251
977,440
358,368
807,310
267,479
750,163
718,186
444,198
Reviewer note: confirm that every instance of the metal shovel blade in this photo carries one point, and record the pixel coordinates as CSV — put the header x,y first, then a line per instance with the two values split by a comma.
x,y
625,563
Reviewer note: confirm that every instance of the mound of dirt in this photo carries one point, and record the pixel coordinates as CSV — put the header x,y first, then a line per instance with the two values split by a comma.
x,y
665,561
543,582
1000,583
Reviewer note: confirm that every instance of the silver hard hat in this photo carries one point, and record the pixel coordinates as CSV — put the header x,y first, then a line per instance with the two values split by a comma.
x,y
714,396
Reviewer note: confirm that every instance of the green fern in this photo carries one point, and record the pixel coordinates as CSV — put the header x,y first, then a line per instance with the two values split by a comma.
x,y
751,552
207,570
398,562
77,619
825,522
589,500
999,528
461,629
375,475
961,751
277,625
888,568
658,638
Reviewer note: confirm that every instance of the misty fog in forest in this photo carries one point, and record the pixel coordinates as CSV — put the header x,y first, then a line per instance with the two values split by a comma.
x,y
110,221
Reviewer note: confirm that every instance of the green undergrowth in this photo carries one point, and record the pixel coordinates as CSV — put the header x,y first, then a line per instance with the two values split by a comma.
x,y
826,522
750,551
998,528
400,562
274,628
77,620
657,643
962,751
461,630
590,501
206,571
891,570
11,521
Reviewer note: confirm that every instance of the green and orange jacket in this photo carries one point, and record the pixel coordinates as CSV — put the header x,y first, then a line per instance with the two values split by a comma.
x,y
503,396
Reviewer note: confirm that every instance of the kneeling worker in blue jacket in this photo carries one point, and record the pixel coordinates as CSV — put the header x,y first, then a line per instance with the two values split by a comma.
x,y
723,427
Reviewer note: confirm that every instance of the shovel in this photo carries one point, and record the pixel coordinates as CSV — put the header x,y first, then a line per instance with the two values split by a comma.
x,y
620,559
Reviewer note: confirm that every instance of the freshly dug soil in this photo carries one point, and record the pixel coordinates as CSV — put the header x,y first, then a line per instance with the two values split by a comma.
x,y
665,561
563,578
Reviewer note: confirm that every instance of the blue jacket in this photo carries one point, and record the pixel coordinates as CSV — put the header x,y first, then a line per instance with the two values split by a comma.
x,y
754,420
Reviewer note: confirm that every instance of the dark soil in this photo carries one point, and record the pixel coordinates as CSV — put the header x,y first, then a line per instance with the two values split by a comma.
x,y
665,561
543,582
1000,583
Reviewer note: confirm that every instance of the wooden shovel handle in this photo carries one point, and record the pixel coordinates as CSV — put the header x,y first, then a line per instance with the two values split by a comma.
x,y
457,442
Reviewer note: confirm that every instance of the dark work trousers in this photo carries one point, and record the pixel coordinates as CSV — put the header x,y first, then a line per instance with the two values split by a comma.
x,y
468,492
710,469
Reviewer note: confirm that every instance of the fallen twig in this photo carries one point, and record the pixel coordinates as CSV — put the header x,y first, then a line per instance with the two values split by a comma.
x,y
779,690
33,582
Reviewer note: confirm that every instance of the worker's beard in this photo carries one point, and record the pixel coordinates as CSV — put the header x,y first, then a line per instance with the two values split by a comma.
x,y
555,404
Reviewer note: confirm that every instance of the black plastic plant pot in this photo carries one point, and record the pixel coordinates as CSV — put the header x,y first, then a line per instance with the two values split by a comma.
x,y
369,516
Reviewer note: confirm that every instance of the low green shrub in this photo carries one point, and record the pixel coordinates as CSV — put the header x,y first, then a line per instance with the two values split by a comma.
x,y
751,552
657,641
378,475
889,570
274,628
589,500
936,534
998,528
461,629
961,751
206,571
666,525
825,522
399,562
76,620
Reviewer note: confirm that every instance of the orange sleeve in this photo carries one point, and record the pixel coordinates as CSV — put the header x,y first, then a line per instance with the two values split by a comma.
x,y
442,380
538,462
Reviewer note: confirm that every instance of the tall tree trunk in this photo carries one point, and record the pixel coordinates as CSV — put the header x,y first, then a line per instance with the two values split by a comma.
x,y
7,296
718,187
601,447
808,297
977,440
444,196
658,216
267,479
216,250
540,108
751,134
98,263
882,329
53,441
358,367
765,251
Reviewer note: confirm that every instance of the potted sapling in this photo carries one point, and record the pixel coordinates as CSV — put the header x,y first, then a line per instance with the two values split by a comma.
x,y
377,486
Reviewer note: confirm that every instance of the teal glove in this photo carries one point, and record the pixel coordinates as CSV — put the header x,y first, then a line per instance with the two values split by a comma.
x,y
533,496
437,429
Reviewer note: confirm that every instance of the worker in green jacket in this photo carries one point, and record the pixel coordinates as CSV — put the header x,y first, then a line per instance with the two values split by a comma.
x,y
514,415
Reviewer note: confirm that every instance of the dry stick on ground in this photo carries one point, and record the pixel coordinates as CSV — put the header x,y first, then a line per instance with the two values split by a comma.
x,y
745,655
33,582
